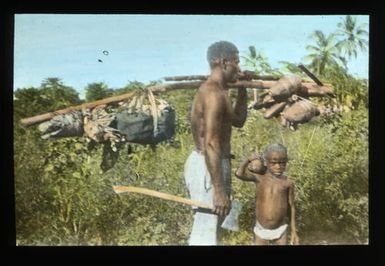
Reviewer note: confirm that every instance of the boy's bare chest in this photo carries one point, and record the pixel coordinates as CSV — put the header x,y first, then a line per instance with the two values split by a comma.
x,y
273,187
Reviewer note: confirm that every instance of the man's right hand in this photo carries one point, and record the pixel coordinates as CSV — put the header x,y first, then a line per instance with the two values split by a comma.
x,y
246,75
222,203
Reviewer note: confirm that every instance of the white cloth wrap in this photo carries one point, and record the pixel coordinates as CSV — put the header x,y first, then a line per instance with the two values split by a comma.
x,y
269,234
199,185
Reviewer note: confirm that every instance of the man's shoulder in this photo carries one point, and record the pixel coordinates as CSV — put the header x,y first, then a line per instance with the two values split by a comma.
x,y
209,94
209,87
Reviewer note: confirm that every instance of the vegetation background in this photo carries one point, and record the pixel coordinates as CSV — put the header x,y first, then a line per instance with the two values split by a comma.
x,y
64,197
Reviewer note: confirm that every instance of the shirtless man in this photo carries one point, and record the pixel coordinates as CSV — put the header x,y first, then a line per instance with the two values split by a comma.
x,y
208,169
274,198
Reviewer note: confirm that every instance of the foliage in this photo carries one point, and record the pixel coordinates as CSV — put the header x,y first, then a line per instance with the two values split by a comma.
x,y
52,95
258,62
290,68
63,197
329,51
58,94
97,91
131,86
350,92
354,36
324,53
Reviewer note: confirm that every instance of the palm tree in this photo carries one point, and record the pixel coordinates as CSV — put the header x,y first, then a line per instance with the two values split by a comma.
x,y
290,68
324,54
354,36
256,61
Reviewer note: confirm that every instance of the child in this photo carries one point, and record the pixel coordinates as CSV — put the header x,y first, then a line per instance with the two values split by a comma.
x,y
274,196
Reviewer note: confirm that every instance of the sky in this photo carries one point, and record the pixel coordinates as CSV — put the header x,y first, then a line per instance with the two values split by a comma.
x,y
149,47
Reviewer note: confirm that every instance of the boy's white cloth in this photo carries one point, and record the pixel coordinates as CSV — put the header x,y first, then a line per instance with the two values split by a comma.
x,y
269,234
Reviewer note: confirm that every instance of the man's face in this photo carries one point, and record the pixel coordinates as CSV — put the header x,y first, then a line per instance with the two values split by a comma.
x,y
276,163
231,69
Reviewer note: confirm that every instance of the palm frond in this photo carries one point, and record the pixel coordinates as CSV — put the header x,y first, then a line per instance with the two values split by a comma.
x,y
253,53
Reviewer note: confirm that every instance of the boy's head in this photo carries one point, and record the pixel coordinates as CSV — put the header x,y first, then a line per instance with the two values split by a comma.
x,y
275,158
220,51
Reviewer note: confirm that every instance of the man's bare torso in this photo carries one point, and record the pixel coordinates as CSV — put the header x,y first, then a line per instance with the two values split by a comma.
x,y
209,94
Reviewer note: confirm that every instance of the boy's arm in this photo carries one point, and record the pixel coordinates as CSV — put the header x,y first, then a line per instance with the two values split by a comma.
x,y
241,172
294,237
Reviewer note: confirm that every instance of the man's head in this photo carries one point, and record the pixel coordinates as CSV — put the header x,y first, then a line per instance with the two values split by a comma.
x,y
275,158
222,50
226,55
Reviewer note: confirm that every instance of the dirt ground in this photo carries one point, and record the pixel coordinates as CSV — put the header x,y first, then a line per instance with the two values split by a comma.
x,y
328,238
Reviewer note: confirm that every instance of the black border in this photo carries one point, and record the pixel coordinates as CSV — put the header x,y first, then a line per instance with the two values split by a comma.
x,y
180,255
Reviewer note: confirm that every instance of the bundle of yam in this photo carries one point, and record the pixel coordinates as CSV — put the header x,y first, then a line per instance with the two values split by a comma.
x,y
141,118
289,99
146,123
287,96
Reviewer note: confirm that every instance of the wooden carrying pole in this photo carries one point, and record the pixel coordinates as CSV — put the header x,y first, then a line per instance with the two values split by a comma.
x,y
29,121
47,116
161,195
246,75
258,84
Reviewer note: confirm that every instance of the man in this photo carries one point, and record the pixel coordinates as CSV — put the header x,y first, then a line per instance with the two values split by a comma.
x,y
208,169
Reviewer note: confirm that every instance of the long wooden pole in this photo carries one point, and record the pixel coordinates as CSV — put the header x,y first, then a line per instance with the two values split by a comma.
x,y
246,75
47,116
29,121
310,87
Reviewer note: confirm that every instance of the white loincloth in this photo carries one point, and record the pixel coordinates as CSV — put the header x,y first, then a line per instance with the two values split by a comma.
x,y
269,234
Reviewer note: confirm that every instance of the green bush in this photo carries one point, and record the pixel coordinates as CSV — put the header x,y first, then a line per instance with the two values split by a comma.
x,y
63,197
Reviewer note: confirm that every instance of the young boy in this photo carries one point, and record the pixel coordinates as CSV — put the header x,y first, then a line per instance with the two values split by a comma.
x,y
274,197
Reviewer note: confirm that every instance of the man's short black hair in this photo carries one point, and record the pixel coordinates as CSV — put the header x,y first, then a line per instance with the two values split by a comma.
x,y
221,50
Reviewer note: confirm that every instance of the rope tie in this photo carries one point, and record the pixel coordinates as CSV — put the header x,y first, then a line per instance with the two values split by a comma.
x,y
154,110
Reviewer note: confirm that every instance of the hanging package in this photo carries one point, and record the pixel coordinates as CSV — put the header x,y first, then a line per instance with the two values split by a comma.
x,y
285,87
300,112
147,124
66,125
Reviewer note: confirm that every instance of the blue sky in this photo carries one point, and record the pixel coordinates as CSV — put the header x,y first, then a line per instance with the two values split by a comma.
x,y
149,47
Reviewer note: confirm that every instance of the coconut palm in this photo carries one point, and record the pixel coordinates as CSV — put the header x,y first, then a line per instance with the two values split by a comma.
x,y
290,68
354,36
256,61
324,53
